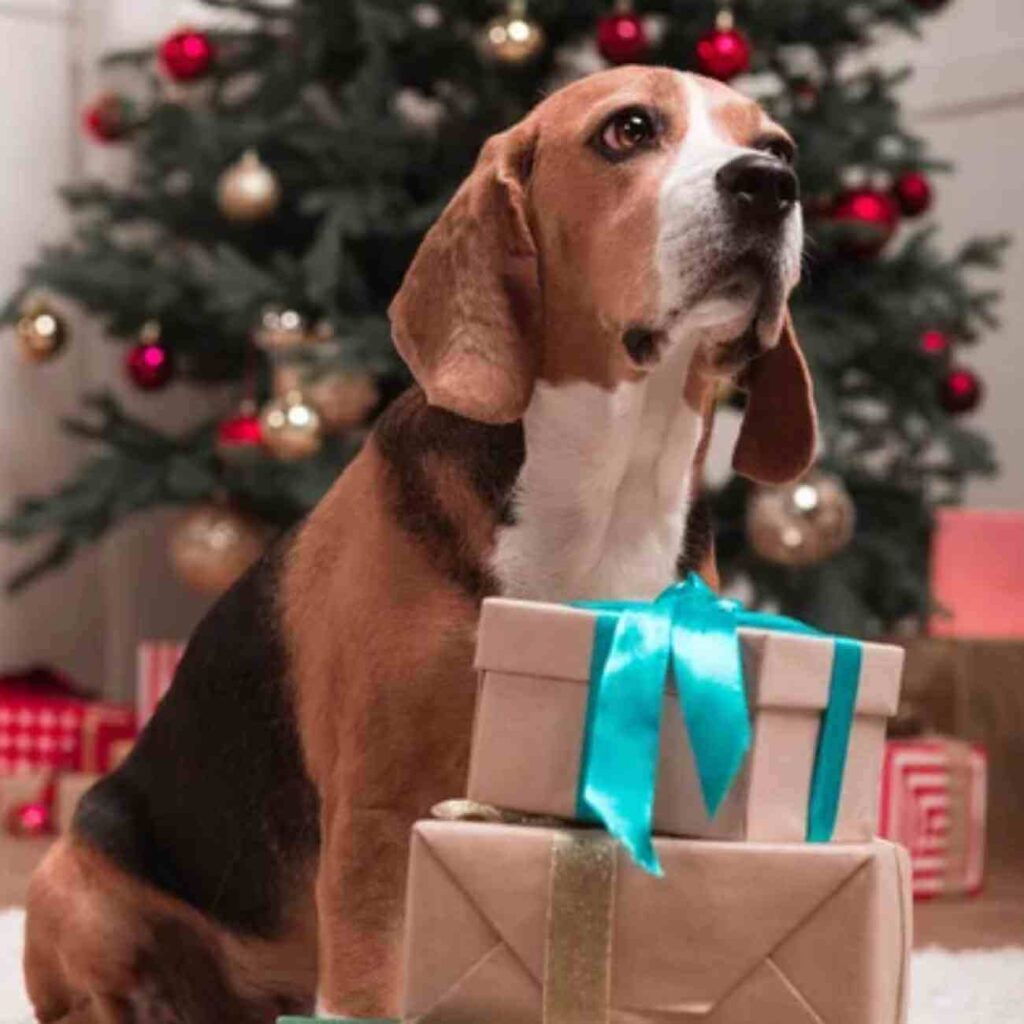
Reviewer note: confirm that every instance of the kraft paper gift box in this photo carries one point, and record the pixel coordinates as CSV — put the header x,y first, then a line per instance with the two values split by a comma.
x,y
532,708
521,924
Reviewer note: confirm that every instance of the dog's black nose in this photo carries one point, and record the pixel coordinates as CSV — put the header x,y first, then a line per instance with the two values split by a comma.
x,y
762,187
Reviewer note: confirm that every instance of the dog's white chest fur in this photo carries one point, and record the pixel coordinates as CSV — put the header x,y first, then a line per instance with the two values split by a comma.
x,y
601,500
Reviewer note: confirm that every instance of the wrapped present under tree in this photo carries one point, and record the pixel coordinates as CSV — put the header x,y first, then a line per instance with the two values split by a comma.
x,y
46,723
934,794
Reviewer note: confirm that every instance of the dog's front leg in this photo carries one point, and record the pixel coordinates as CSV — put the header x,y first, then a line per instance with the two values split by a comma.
x,y
360,894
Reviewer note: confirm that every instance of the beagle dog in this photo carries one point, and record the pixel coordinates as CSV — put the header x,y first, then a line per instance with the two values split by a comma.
x,y
633,240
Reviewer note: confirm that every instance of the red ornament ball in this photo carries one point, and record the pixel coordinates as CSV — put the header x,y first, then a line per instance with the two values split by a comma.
x,y
929,5
239,435
867,219
723,53
960,391
186,55
108,119
34,817
621,38
31,819
913,192
935,343
149,365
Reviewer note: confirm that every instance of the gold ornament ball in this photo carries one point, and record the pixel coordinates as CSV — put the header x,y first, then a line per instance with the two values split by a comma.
x,y
281,329
803,523
343,399
41,334
212,545
292,428
513,38
248,190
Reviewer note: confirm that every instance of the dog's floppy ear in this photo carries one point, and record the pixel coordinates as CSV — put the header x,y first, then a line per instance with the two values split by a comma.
x,y
466,318
779,431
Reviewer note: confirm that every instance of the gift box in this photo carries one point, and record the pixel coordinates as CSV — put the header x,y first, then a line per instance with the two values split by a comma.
x,y
977,573
973,690
519,924
933,802
533,741
45,725
157,663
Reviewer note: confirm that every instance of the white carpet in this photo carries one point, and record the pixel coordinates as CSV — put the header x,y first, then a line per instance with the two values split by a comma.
x,y
985,987
14,1004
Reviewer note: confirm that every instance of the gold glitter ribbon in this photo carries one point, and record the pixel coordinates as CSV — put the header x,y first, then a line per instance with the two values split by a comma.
x,y
577,958
577,962
472,810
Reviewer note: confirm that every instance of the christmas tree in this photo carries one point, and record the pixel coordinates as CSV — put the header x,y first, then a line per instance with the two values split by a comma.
x,y
285,169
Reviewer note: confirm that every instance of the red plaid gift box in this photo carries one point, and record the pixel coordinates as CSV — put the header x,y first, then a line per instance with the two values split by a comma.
x,y
45,725
157,663
933,803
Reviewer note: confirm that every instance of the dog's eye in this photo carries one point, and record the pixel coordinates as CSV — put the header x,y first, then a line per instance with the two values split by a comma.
x,y
778,147
626,132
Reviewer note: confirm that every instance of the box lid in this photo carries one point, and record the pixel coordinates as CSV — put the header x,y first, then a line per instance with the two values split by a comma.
x,y
782,669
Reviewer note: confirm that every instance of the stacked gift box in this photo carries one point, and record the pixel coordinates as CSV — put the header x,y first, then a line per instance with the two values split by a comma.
x,y
670,814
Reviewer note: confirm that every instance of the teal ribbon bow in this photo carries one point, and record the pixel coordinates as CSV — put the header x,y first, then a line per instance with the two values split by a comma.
x,y
692,633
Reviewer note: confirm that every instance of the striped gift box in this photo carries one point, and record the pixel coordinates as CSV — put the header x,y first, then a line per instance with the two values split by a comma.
x,y
157,663
933,803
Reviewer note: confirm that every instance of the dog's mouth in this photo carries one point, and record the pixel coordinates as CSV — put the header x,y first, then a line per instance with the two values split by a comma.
x,y
737,314
753,289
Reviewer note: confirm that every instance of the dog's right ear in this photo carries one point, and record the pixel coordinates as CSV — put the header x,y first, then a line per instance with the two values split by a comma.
x,y
780,426
466,319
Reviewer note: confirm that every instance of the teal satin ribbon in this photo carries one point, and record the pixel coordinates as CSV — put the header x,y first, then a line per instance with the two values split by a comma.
x,y
691,632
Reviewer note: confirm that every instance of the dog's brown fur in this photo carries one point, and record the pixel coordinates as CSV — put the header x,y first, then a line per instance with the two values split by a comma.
x,y
103,947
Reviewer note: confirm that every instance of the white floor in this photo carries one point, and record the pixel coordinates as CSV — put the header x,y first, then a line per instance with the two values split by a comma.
x,y
947,988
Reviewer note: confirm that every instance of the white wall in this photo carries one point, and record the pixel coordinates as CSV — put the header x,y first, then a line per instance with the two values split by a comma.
x,y
88,618
62,619
967,99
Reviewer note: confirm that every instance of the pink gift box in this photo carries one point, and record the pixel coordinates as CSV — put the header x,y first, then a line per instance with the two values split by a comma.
x,y
978,573
933,803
